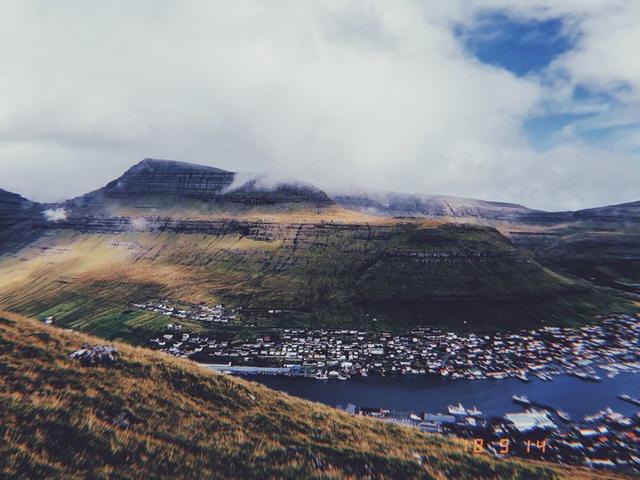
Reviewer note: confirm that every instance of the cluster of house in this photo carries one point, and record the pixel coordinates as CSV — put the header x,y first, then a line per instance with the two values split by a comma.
x,y
186,311
606,439
609,347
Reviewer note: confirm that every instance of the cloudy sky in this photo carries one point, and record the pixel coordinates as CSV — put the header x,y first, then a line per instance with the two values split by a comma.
x,y
536,102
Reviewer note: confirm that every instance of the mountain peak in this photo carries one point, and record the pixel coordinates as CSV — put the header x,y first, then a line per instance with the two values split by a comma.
x,y
160,164
158,181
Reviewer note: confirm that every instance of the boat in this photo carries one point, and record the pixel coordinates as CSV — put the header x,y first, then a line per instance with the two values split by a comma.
x,y
629,399
522,376
586,376
544,376
321,376
474,412
521,399
562,415
597,416
457,409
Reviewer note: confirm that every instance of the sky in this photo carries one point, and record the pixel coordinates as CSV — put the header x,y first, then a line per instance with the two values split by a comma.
x,y
535,102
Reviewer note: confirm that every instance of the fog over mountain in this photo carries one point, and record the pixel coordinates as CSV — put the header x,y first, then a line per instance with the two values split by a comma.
x,y
403,96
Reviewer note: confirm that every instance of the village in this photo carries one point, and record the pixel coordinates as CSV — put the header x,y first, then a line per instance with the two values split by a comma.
x,y
605,439
609,347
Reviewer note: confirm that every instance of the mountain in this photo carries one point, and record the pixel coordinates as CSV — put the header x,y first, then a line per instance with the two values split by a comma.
x,y
432,206
624,211
153,416
15,209
161,183
167,229
20,220
348,274
600,245
469,209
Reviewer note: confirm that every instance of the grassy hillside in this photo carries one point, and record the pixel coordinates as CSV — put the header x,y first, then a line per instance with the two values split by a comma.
x,y
59,419
402,274
605,252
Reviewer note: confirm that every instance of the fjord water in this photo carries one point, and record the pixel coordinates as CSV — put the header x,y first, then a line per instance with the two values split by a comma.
x,y
493,397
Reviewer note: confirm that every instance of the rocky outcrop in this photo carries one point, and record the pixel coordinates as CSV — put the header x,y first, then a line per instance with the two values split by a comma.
x,y
96,355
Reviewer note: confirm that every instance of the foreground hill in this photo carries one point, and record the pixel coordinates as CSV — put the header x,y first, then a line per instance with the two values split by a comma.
x,y
152,416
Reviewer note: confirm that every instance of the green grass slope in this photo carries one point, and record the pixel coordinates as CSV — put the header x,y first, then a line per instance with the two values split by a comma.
x,y
403,274
59,419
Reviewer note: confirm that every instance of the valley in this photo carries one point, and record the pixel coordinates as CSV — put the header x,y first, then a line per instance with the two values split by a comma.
x,y
189,260
173,230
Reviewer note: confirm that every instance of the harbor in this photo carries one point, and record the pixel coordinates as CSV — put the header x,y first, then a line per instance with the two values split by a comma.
x,y
418,394
563,394
567,421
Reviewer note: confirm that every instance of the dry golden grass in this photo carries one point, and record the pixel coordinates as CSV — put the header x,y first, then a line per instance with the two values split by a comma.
x,y
291,214
58,421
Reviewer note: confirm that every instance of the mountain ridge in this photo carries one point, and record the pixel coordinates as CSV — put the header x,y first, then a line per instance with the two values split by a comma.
x,y
220,187
156,182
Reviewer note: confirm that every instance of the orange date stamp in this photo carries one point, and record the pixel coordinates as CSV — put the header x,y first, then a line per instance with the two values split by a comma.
x,y
503,446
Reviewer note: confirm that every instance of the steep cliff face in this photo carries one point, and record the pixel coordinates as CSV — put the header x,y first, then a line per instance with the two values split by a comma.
x,y
158,183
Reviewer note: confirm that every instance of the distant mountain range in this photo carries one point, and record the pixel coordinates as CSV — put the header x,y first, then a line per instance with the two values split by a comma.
x,y
436,206
156,182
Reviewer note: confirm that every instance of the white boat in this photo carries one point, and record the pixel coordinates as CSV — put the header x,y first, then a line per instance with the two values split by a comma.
x,y
543,376
457,409
522,399
474,412
630,399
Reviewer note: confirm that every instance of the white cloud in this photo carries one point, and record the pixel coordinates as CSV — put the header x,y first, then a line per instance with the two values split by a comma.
x,y
379,94
55,214
139,224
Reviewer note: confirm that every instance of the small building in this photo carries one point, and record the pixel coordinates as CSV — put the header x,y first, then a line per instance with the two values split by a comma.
x,y
530,420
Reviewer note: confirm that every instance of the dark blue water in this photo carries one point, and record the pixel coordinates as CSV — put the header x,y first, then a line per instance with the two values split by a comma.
x,y
493,397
